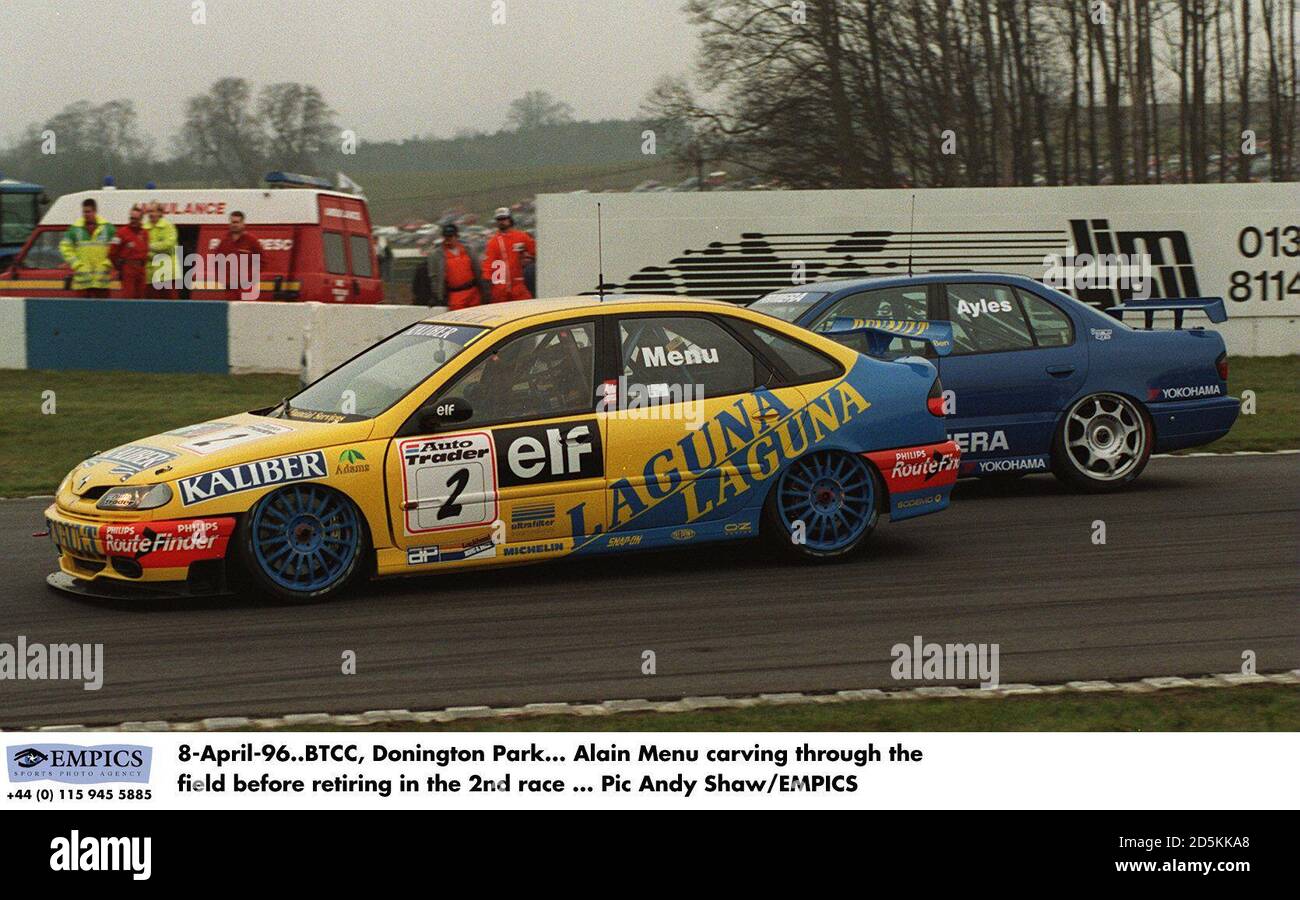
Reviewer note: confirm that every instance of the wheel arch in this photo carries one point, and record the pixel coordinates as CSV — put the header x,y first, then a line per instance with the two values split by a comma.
x,y
236,559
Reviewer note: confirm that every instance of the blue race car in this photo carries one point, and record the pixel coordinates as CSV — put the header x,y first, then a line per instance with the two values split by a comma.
x,y
1035,380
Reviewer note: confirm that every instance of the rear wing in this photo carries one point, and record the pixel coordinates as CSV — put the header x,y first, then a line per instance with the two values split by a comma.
x,y
1212,307
881,332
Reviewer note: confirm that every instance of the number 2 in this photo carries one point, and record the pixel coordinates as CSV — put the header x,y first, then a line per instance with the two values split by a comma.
x,y
450,508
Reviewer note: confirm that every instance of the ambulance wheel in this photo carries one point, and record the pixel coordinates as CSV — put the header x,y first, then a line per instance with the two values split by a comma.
x,y
302,543
823,506
1102,444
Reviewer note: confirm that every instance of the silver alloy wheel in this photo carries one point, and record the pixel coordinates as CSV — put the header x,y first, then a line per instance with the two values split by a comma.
x,y
1105,436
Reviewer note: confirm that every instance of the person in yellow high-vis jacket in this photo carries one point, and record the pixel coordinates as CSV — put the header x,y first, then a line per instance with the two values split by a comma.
x,y
164,255
85,248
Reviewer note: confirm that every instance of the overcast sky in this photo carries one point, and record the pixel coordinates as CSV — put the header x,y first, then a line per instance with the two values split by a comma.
x,y
390,69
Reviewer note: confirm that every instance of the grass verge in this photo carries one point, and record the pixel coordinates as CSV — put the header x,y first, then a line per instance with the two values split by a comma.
x,y
98,410
1244,708
1275,424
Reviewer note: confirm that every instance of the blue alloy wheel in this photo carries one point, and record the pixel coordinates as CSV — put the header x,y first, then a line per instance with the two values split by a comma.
x,y
305,539
834,495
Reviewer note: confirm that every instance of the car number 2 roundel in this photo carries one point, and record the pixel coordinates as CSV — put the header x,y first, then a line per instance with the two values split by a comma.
x,y
448,482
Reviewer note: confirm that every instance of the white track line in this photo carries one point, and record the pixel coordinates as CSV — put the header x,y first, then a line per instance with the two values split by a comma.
x,y
308,721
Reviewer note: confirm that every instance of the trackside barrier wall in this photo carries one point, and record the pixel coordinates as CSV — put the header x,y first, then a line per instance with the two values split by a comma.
x,y
191,336
1236,241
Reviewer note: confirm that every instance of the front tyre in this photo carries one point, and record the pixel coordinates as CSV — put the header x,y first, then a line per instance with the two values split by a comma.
x,y
302,543
824,505
1102,444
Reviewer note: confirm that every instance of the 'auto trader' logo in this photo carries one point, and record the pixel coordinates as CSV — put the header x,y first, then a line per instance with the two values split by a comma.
x,y
75,764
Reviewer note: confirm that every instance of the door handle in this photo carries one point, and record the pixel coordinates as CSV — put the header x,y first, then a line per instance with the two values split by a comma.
x,y
1060,371
766,414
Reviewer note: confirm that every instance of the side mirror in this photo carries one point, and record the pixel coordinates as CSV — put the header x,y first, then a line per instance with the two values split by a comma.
x,y
447,411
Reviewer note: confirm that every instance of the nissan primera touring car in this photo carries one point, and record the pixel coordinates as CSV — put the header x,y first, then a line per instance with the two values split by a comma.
x,y
513,433
1038,381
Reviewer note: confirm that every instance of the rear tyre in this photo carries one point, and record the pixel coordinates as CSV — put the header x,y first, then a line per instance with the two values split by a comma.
x,y
302,543
823,506
1102,444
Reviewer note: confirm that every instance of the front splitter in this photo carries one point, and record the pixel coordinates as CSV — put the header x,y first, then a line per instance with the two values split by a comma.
x,y
108,589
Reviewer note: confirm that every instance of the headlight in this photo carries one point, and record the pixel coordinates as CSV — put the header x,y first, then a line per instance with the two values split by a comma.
x,y
139,496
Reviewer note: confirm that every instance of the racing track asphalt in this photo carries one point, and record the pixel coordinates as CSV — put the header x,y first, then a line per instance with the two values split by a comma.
x,y
1202,562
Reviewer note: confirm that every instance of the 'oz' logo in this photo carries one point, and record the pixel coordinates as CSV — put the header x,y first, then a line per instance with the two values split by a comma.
x,y
536,454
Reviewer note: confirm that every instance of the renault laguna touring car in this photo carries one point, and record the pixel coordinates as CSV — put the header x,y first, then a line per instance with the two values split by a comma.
x,y
1038,381
513,433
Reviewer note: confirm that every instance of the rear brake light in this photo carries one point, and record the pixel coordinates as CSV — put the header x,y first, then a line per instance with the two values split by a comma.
x,y
1222,365
934,402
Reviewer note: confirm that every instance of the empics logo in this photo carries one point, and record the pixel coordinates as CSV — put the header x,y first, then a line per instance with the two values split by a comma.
x,y
75,764
75,853
29,758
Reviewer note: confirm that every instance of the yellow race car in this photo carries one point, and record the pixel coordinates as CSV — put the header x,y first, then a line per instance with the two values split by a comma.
x,y
512,433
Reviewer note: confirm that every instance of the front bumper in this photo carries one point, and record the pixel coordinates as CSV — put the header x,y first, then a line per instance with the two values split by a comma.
x,y
170,550
918,479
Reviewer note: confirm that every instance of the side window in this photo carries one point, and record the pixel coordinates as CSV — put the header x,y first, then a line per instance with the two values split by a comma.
x,y
360,246
986,318
885,303
807,364
335,259
907,303
664,354
44,252
1052,327
539,375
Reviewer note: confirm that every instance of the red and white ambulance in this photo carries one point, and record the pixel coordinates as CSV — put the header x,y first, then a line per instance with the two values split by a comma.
x,y
315,244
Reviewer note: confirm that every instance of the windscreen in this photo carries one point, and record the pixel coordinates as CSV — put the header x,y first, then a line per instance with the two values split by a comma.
x,y
387,372
787,305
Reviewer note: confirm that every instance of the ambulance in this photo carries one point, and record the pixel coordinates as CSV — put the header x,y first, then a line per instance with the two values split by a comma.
x,y
315,243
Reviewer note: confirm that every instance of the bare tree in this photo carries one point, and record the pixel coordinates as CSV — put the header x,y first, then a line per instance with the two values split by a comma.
x,y
222,133
1243,90
537,109
299,124
1026,91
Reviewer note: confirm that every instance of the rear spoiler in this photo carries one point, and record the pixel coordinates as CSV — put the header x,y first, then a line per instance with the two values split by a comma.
x,y
1212,307
880,332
